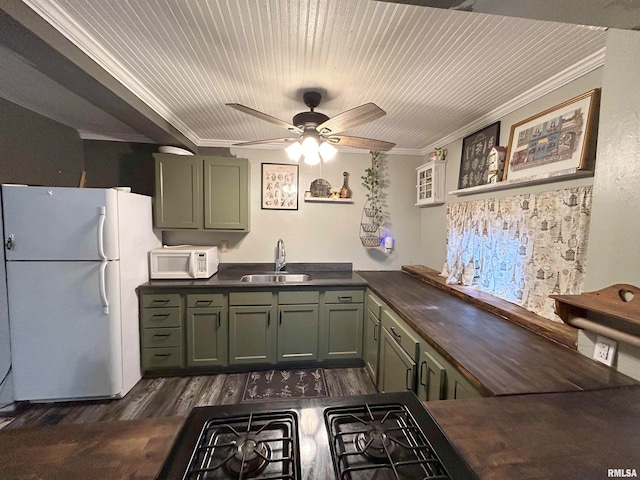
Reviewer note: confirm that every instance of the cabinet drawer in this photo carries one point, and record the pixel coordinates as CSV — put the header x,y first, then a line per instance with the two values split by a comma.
x,y
298,298
250,298
162,357
344,296
161,317
374,304
161,300
205,300
162,337
400,331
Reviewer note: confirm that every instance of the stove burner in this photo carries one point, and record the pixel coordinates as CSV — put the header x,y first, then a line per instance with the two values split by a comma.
x,y
248,456
374,442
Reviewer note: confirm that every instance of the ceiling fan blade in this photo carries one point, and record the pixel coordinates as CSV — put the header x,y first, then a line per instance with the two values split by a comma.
x,y
262,142
351,118
264,116
359,142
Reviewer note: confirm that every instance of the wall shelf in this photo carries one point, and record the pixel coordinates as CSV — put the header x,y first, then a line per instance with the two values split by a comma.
x,y
327,200
560,175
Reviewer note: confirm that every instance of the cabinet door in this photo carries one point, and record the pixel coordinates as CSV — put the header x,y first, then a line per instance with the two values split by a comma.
x,y
397,369
370,344
206,336
341,331
226,194
178,194
432,378
252,334
297,332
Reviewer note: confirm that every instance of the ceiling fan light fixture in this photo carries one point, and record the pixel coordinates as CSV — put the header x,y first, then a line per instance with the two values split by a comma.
x,y
327,151
312,158
294,151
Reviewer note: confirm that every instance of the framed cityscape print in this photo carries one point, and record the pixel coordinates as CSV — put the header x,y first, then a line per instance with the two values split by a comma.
x,y
559,140
475,151
279,186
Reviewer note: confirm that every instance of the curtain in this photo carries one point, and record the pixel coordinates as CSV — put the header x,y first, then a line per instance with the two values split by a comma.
x,y
523,248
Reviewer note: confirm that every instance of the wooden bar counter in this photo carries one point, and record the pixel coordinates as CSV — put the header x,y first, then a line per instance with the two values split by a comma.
x,y
495,355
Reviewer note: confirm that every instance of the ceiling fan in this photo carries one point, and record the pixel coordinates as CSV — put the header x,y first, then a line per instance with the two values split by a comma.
x,y
318,133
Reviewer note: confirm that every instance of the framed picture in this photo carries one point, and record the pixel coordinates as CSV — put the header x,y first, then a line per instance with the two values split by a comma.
x,y
279,186
559,140
475,150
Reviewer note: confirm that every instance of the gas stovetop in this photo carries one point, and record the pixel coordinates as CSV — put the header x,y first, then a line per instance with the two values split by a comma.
x,y
383,436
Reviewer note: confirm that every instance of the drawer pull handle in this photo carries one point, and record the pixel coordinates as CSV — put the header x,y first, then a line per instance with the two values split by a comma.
x,y
395,334
268,318
406,379
162,302
204,302
160,315
162,355
424,384
345,299
280,319
161,335
218,315
375,333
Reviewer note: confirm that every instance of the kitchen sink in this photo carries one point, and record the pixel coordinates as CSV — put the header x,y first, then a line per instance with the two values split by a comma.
x,y
276,277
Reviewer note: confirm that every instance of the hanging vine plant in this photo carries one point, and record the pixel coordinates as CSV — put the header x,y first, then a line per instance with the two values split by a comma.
x,y
372,213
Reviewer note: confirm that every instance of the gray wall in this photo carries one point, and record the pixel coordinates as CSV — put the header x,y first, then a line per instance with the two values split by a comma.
x,y
36,150
615,217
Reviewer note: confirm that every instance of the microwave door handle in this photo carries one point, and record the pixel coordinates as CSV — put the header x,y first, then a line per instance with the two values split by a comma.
x,y
192,265
103,287
102,216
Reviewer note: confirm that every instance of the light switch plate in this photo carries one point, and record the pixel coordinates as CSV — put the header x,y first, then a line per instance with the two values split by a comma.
x,y
605,350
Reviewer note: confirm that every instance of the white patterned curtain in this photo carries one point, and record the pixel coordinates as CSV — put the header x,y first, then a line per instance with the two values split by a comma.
x,y
523,248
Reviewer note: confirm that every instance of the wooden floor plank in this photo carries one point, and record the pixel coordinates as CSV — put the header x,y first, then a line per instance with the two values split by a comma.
x,y
169,396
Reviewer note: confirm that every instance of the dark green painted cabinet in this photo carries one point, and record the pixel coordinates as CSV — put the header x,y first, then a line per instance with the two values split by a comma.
x,y
178,191
341,331
201,193
252,334
297,332
396,366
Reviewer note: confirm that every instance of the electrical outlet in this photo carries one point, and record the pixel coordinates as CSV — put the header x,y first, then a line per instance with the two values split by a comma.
x,y
605,350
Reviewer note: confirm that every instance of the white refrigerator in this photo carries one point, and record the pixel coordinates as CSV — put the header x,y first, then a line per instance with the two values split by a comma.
x,y
74,257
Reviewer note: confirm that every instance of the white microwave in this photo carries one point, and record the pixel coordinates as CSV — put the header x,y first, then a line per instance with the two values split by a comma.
x,y
184,261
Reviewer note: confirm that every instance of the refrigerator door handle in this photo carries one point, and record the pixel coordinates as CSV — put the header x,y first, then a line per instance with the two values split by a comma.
x,y
103,287
102,217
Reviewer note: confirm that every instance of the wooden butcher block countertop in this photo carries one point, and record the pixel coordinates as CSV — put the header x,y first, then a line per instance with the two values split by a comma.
x,y
132,449
498,357
577,435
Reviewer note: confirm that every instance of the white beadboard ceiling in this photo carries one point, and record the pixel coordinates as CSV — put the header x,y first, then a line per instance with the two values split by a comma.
x,y
439,74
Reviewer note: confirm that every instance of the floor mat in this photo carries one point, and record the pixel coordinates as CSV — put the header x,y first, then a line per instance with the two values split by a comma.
x,y
285,385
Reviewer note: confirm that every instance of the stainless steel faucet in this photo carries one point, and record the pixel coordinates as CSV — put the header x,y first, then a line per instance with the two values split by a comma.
x,y
281,256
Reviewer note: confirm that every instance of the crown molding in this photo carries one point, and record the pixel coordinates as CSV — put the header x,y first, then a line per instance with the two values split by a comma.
x,y
115,137
561,79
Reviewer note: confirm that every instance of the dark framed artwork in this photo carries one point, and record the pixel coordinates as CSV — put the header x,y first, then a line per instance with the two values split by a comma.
x,y
279,186
475,151
560,139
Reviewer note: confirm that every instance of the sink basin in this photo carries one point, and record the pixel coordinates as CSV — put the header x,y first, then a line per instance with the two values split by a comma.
x,y
279,277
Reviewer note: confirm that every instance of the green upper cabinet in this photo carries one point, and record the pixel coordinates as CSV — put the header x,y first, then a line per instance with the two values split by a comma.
x,y
226,194
178,195
201,193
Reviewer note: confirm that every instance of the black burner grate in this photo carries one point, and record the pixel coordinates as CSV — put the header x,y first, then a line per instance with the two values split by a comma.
x,y
381,440
255,446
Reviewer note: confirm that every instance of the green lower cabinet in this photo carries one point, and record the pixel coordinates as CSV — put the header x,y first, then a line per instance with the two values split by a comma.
x,y
341,331
207,336
460,387
432,378
252,334
371,344
297,332
397,368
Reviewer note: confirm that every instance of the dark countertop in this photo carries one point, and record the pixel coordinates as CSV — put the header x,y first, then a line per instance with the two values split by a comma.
x,y
133,449
498,357
538,436
229,275
578,435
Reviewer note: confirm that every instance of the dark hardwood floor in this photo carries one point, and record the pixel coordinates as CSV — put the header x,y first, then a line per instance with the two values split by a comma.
x,y
170,396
